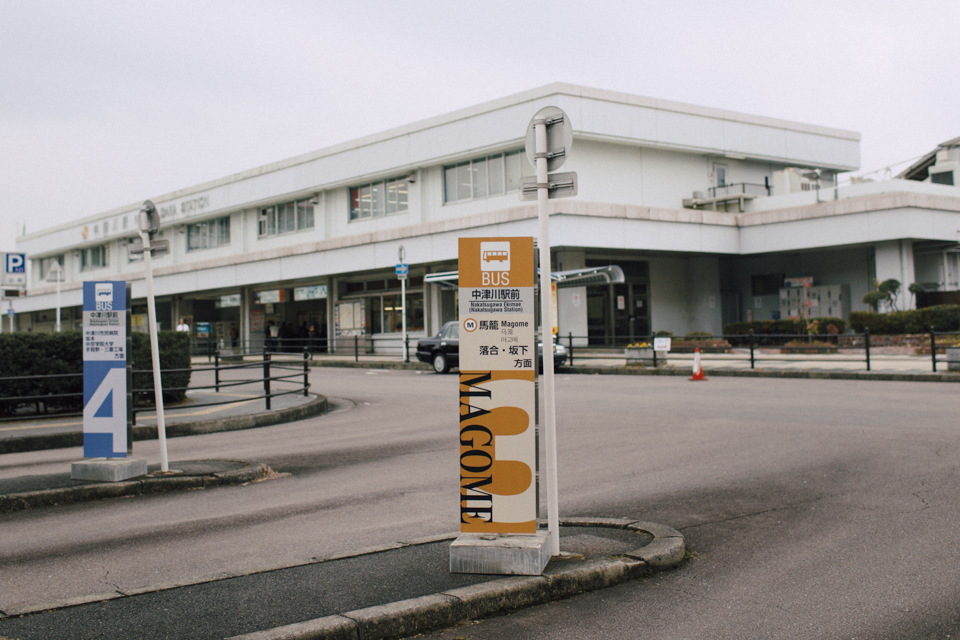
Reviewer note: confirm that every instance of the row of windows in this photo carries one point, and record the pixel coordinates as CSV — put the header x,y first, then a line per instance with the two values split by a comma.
x,y
209,234
482,177
379,199
286,218
95,257
45,264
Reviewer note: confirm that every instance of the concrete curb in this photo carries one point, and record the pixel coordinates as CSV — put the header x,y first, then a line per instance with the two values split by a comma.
x,y
314,407
621,370
134,487
415,365
764,373
409,617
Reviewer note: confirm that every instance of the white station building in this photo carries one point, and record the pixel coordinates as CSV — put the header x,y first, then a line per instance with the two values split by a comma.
x,y
710,214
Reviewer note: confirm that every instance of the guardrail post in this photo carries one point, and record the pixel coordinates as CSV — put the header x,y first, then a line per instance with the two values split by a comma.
x,y
752,361
216,371
571,348
933,348
866,344
306,370
266,378
406,348
356,348
654,358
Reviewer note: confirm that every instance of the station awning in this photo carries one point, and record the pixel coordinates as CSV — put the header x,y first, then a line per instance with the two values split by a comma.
x,y
611,274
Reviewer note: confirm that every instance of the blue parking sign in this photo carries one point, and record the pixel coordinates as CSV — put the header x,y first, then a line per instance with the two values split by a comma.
x,y
16,263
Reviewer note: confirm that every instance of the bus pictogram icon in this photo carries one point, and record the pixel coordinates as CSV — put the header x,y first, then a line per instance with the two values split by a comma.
x,y
495,256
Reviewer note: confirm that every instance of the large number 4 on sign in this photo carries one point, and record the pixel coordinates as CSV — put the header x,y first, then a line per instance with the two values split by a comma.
x,y
105,414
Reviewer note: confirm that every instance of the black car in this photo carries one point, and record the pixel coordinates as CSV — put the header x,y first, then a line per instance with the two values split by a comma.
x,y
443,350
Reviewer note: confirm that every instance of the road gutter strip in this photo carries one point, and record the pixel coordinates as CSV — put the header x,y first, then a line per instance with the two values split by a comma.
x,y
416,615
133,487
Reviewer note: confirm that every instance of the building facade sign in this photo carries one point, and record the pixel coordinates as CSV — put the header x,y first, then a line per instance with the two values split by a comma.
x,y
498,360
105,369
270,297
228,301
316,292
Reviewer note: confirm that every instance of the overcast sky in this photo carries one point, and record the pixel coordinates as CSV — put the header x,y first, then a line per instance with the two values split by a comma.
x,y
107,103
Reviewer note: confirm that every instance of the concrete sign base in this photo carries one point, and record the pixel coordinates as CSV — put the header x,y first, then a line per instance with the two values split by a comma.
x,y
108,469
512,554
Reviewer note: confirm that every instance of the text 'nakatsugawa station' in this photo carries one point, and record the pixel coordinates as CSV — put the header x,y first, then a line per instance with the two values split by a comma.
x,y
709,214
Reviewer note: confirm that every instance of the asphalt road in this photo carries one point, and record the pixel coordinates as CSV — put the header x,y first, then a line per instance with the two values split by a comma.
x,y
814,509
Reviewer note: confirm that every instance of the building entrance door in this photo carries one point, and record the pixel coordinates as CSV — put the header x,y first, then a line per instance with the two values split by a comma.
x,y
618,314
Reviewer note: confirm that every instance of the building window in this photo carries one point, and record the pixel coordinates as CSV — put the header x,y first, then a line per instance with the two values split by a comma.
x,y
44,264
720,175
944,177
483,177
378,199
94,257
208,234
285,218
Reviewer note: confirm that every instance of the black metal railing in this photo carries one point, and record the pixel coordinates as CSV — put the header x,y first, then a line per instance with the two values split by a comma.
x,y
738,189
821,348
292,375
267,372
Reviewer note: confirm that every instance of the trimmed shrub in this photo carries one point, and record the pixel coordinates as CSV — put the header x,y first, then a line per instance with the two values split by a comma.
x,y
41,354
23,355
174,354
779,331
944,317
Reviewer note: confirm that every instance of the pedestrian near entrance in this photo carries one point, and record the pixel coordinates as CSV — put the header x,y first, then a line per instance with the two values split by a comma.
x,y
234,334
271,332
183,326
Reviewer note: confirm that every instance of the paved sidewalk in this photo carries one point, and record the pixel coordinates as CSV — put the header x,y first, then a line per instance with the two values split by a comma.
x,y
397,590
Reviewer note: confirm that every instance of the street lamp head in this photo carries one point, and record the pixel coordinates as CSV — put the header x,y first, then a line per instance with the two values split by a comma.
x,y
149,219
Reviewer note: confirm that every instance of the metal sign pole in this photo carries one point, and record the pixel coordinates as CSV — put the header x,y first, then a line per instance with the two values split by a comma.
x,y
58,301
403,302
546,330
145,225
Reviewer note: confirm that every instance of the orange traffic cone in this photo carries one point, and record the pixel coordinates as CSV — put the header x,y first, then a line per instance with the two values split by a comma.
x,y
697,369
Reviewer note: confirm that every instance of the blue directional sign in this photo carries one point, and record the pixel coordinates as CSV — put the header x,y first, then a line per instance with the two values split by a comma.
x,y
104,369
402,271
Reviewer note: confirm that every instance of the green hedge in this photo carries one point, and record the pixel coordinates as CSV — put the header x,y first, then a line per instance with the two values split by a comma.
x,y
944,317
41,354
777,331
38,354
174,354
